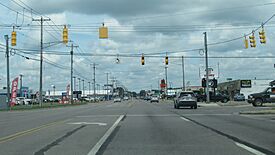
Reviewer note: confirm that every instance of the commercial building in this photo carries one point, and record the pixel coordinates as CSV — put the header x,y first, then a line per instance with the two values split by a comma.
x,y
245,86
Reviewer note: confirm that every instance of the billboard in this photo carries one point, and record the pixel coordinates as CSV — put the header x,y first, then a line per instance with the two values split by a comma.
x,y
246,84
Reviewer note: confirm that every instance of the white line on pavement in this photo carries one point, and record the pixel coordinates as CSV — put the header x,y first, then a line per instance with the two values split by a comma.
x,y
185,119
97,146
98,116
249,149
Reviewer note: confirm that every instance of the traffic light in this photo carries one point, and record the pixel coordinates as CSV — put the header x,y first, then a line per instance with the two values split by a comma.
x,y
103,32
65,34
252,40
142,60
13,38
262,37
166,60
203,82
245,42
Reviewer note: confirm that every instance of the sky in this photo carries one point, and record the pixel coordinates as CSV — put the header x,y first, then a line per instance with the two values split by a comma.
x,y
157,26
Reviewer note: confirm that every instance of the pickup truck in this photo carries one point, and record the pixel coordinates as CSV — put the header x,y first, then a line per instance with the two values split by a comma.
x,y
267,96
213,98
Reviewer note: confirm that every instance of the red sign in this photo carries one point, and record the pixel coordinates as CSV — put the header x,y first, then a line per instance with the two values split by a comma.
x,y
68,90
14,91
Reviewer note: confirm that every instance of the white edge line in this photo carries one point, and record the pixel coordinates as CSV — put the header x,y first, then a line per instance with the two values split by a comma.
x,y
249,149
97,146
185,119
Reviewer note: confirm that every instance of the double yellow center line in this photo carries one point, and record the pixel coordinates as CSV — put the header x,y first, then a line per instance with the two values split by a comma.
x,y
26,132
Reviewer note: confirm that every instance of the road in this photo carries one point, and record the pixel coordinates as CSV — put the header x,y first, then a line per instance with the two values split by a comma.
x,y
136,127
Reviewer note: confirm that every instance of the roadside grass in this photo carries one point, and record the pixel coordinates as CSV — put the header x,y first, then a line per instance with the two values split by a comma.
x,y
44,106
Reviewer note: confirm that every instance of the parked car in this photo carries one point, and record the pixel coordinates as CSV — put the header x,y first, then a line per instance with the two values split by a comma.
x,y
126,98
258,99
239,97
117,99
23,101
154,98
184,99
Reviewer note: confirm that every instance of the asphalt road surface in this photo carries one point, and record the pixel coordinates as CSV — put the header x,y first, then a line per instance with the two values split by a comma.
x,y
136,127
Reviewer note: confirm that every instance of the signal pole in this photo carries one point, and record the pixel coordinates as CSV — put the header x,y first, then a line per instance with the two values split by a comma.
x,y
41,59
206,66
8,69
83,87
89,87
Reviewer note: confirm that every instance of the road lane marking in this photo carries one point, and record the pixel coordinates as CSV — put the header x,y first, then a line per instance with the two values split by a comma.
x,y
185,119
29,131
97,116
97,146
88,123
249,149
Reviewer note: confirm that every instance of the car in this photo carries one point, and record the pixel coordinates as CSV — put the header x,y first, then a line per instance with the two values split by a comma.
x,y
218,97
126,98
23,101
117,99
147,98
266,96
239,97
185,99
154,99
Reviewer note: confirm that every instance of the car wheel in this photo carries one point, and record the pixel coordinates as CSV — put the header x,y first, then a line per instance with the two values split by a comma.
x,y
258,102
195,107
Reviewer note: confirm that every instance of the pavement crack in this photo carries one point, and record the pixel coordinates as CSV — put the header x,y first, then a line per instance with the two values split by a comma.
x,y
57,141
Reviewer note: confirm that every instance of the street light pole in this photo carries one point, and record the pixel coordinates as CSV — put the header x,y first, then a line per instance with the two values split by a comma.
x,y
207,70
107,86
166,90
89,87
79,86
83,87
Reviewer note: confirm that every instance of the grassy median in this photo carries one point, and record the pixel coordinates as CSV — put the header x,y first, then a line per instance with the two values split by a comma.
x,y
44,105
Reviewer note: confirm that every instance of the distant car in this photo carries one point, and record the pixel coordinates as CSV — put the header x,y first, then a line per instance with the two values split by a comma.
x,y
239,97
185,99
213,98
154,99
117,99
23,101
125,98
147,98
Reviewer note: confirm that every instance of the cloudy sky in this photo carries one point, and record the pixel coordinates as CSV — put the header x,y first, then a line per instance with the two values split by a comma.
x,y
153,27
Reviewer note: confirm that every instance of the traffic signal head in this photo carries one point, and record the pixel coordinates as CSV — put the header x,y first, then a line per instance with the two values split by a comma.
x,y
262,37
103,32
166,60
142,60
65,35
13,38
203,82
245,43
252,41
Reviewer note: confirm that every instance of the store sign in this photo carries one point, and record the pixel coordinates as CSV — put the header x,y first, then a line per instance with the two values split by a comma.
x,y
246,84
14,91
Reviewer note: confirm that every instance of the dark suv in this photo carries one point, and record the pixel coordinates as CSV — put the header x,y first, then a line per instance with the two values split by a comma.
x,y
267,96
214,98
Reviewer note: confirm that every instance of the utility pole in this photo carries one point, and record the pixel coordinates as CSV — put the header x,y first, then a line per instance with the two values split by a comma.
x,y
83,87
74,83
166,90
21,94
72,73
107,85
94,80
79,87
89,87
41,59
8,69
183,75
206,66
